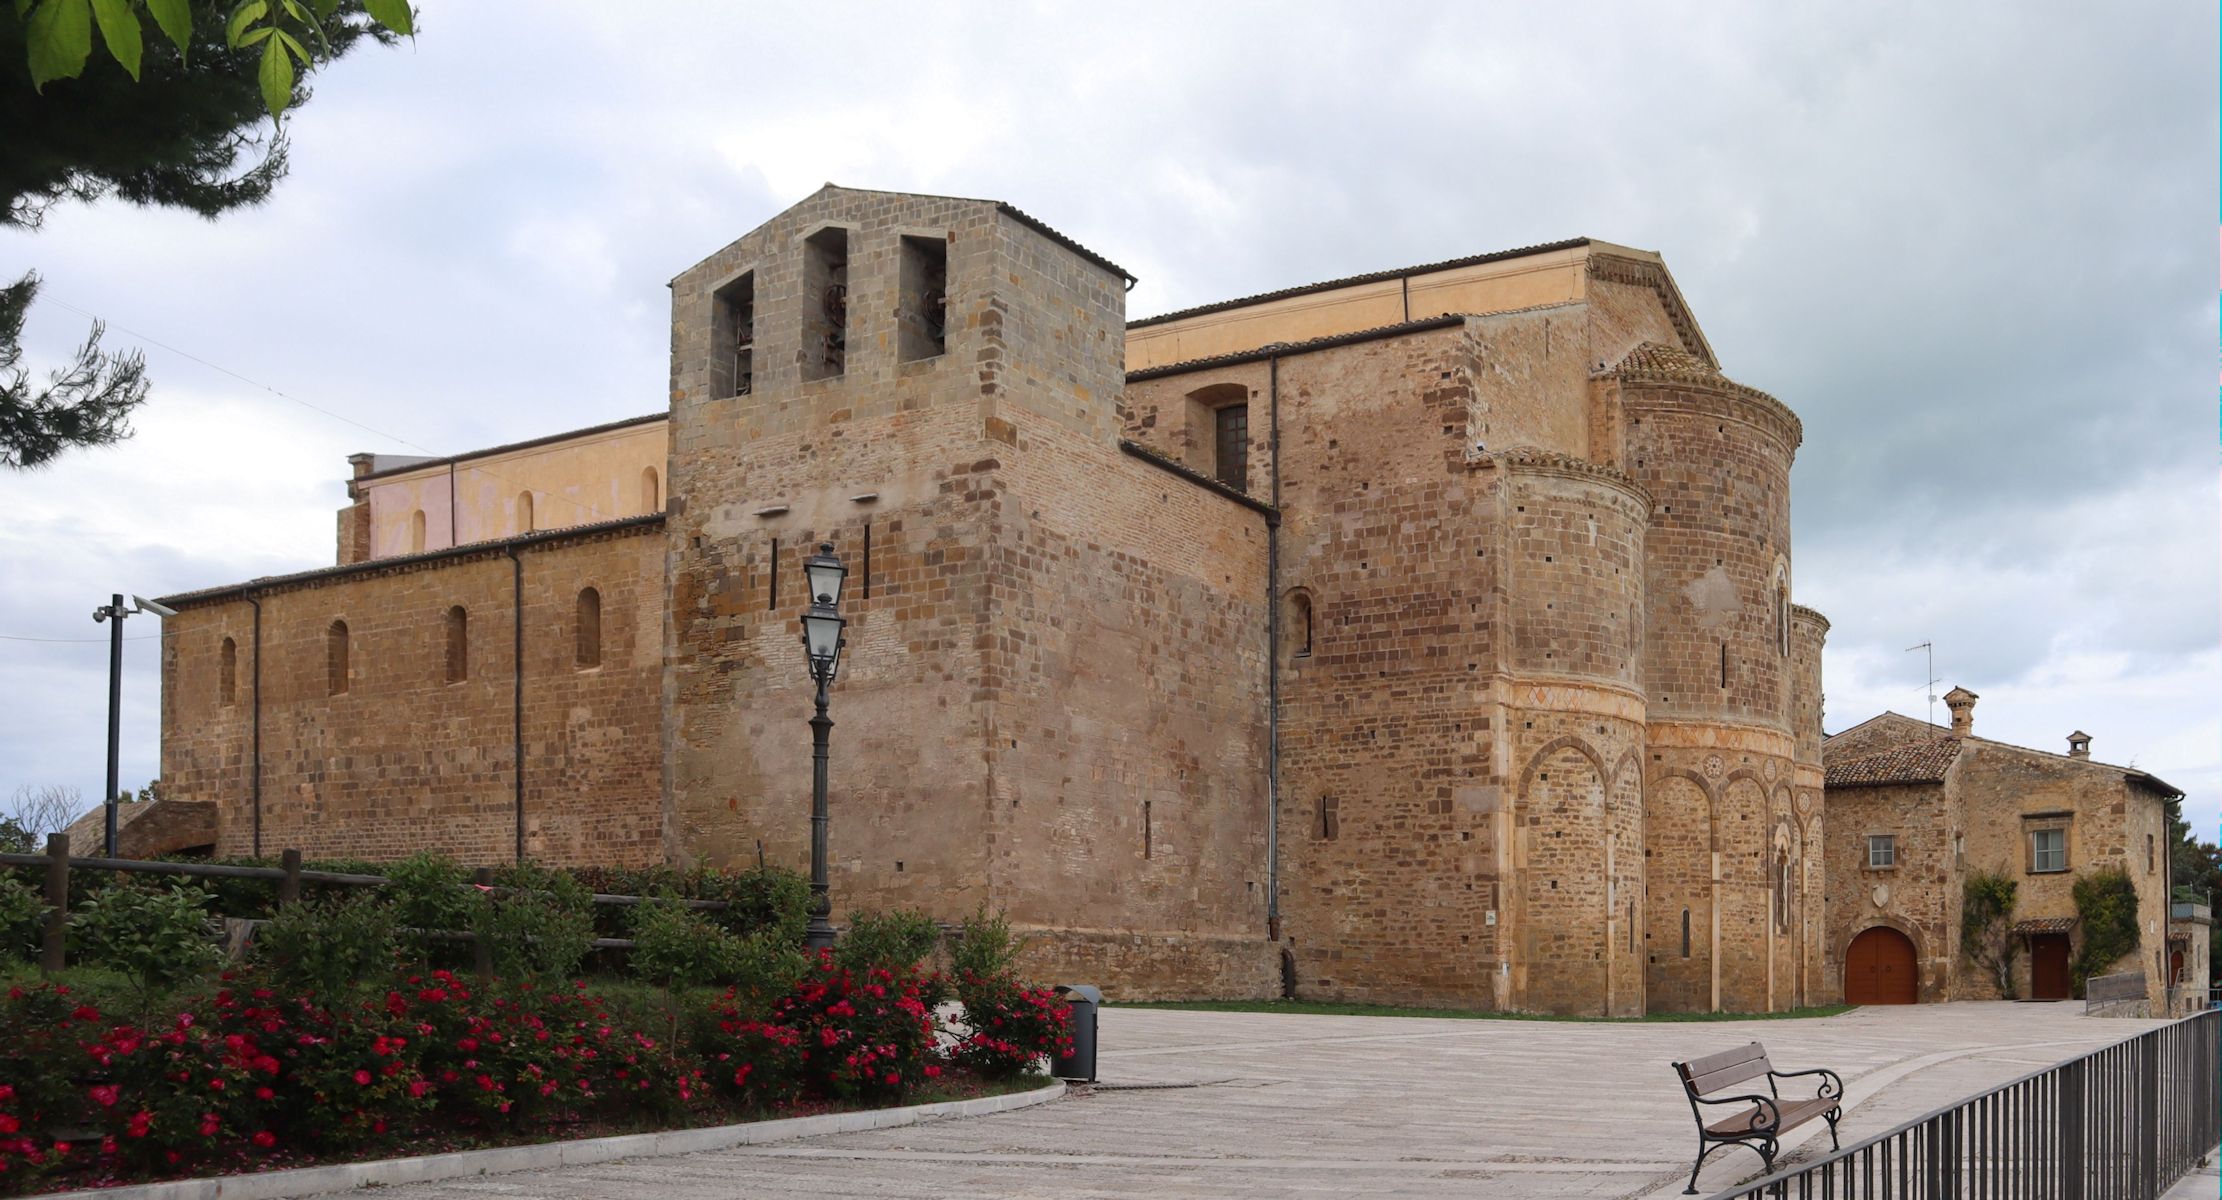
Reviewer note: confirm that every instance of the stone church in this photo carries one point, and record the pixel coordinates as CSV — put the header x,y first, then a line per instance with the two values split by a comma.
x,y
1406,637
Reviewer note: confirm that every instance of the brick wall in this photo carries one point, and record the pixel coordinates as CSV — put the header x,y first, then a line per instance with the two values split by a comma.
x,y
405,760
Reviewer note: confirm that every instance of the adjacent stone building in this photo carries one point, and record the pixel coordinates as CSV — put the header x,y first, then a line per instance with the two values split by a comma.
x,y
1424,636
1914,808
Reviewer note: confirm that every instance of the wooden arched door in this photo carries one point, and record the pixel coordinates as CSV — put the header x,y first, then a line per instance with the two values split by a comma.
x,y
1878,968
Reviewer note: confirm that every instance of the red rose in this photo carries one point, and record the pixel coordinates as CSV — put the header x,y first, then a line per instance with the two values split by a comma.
x,y
362,1078
264,1139
104,1095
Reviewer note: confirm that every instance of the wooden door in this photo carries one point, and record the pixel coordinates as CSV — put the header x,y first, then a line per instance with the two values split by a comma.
x,y
1879,969
2048,967
2175,968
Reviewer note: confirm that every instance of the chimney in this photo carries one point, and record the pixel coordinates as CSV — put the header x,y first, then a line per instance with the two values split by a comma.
x,y
1962,703
2079,744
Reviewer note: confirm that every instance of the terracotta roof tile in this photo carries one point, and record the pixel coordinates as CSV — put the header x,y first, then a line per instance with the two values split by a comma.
x,y
1910,762
2045,925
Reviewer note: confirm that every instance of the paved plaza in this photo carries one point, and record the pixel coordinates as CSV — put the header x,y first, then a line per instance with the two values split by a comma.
x,y
1238,1104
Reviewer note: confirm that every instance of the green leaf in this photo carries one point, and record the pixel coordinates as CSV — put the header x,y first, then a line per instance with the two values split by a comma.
x,y
299,51
60,35
22,7
393,14
175,19
256,36
276,77
241,17
324,8
119,27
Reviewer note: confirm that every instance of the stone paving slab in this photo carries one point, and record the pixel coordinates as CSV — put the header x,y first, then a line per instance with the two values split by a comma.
x,y
1239,1104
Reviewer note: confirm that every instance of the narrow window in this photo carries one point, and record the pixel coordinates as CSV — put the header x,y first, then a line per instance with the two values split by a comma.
x,y
1327,819
227,672
1882,850
1147,849
1300,623
2048,850
590,628
775,576
825,289
1782,615
2151,859
1231,462
1724,664
1782,892
416,532
1631,927
524,512
651,491
458,645
925,298
733,338
1685,933
335,658
866,580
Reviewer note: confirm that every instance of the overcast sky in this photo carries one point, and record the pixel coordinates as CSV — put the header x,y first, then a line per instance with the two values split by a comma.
x,y
1972,245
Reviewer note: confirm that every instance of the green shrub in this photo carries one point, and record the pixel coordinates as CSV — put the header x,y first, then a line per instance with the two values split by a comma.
x,y
155,937
1986,927
763,969
899,941
329,947
22,921
761,902
430,894
2106,901
543,925
674,948
984,948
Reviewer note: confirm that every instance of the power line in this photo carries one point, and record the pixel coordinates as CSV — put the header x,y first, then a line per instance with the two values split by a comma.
x,y
144,637
589,509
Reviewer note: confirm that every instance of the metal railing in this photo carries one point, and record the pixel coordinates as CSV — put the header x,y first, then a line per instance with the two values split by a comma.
x,y
2123,1122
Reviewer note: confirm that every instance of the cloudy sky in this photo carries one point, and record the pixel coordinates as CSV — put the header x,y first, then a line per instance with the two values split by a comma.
x,y
1972,245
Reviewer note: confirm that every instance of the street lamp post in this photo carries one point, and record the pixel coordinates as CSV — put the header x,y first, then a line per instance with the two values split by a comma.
x,y
113,613
822,644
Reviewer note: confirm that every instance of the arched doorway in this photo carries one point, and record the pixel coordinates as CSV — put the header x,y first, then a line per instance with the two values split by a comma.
x,y
1878,968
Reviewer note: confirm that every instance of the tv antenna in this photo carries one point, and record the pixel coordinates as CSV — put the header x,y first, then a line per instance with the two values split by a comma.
x,y
1931,686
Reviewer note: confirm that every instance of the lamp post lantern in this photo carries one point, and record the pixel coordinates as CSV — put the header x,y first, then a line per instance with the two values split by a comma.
x,y
822,642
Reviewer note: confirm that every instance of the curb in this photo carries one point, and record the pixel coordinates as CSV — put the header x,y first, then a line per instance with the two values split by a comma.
x,y
340,1177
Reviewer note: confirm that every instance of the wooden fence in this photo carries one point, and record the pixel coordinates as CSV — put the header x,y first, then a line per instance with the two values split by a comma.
x,y
289,875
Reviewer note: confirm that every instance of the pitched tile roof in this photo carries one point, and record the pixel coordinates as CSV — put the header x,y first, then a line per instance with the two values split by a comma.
x,y
1909,762
2045,925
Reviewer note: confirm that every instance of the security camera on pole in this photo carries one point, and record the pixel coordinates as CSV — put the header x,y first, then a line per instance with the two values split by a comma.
x,y
114,612
822,644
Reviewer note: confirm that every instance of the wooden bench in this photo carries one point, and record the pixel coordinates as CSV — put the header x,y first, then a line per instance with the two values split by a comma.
x,y
1761,1118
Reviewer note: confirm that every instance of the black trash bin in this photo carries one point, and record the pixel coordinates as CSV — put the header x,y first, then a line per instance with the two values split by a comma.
x,y
1079,1066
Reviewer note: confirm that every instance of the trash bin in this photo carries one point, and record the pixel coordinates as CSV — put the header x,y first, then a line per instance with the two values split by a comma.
x,y
1079,1066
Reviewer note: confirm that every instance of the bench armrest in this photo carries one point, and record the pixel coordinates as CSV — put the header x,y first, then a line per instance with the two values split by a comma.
x,y
1831,1087
1766,1104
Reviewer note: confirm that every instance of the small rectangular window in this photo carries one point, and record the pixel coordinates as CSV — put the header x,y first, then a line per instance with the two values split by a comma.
x,y
2048,850
923,308
1882,850
1232,459
733,338
825,291
1327,819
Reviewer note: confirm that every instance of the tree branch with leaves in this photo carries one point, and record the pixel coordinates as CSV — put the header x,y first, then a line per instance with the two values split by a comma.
x,y
1987,927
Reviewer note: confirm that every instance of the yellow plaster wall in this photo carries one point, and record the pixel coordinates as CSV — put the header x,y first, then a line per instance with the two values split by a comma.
x,y
578,481
1550,277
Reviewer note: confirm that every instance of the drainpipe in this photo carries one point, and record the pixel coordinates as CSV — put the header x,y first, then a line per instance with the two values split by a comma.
x,y
451,527
1273,660
254,786
517,686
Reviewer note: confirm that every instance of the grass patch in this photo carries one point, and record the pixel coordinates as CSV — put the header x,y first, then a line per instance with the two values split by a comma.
x,y
1319,1008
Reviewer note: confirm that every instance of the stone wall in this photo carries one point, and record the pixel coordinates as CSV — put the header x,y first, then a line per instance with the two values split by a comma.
x,y
1920,896
411,754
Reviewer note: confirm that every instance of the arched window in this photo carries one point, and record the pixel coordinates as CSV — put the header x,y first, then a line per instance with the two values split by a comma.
x,y
416,532
1219,433
1300,624
590,628
1782,890
651,491
335,658
458,645
227,672
524,512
